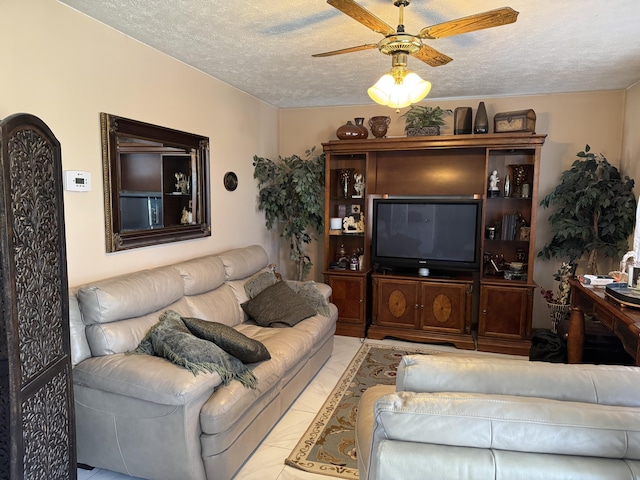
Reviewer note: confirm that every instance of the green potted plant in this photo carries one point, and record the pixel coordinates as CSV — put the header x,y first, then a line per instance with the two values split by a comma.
x,y
424,120
594,212
291,194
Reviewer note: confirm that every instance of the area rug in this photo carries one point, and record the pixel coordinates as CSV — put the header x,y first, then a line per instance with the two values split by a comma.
x,y
328,445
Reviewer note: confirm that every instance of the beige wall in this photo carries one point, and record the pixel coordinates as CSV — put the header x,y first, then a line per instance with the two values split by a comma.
x,y
570,122
66,68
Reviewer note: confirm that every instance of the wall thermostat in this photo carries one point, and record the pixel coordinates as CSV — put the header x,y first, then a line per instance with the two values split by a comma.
x,y
77,181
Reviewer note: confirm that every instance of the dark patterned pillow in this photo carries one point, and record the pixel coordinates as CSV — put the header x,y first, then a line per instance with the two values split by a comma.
x,y
235,343
278,306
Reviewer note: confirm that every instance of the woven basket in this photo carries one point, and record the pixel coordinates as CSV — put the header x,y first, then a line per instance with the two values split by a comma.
x,y
558,313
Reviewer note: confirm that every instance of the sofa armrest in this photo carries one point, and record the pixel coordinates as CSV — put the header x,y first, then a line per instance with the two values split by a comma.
x,y
365,423
598,384
145,377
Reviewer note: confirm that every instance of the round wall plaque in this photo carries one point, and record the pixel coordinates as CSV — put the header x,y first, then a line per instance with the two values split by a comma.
x,y
230,181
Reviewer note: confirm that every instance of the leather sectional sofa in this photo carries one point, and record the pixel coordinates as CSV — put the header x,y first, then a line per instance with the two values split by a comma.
x,y
146,417
455,417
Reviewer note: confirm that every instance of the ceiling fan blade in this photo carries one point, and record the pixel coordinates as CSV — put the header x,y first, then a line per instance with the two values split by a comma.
x,y
431,56
479,21
362,15
366,46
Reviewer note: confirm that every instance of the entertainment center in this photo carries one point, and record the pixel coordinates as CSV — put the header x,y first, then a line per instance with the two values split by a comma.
x,y
427,252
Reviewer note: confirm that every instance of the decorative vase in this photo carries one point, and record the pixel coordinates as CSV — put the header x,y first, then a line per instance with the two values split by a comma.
x,y
379,125
349,131
360,123
481,124
345,175
558,312
462,121
522,178
423,131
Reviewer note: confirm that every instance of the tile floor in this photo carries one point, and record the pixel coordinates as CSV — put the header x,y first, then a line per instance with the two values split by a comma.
x,y
267,462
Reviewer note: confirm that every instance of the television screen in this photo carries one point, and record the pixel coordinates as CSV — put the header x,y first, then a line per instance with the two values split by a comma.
x,y
426,232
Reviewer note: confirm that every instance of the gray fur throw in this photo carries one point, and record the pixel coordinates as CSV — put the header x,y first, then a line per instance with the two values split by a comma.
x,y
170,338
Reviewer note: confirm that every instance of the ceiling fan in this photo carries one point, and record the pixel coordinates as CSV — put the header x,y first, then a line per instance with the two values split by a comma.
x,y
397,41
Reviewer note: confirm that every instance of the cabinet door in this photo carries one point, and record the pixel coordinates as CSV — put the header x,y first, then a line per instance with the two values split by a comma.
x,y
396,303
505,311
348,295
444,307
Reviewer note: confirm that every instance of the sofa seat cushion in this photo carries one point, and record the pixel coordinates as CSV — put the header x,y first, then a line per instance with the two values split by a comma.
x,y
145,377
289,349
506,422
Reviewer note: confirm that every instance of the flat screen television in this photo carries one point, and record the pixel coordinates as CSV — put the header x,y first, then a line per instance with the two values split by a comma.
x,y
439,233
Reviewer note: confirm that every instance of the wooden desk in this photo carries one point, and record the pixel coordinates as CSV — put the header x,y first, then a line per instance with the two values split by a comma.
x,y
622,320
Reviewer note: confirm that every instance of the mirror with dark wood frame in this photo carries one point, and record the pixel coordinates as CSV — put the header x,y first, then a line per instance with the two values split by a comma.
x,y
156,184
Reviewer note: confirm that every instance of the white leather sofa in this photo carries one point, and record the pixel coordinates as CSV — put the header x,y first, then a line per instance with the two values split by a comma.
x,y
146,417
453,417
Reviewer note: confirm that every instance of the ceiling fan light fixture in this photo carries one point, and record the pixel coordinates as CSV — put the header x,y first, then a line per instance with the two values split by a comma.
x,y
399,88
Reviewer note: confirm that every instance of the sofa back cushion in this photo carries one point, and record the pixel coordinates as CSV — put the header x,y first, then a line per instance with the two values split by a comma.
x,y
598,384
241,263
219,305
201,275
117,312
206,294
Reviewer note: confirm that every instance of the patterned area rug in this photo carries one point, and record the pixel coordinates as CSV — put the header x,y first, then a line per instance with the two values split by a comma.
x,y
328,445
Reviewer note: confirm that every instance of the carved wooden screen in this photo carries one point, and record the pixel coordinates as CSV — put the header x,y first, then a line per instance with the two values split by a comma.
x,y
37,431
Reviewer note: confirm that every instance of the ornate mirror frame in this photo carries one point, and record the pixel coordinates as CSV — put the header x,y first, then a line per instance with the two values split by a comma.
x,y
156,184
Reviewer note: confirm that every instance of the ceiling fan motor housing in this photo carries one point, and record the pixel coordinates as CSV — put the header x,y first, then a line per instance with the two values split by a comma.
x,y
399,43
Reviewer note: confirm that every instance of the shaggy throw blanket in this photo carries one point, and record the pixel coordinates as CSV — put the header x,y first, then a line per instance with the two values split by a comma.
x,y
170,338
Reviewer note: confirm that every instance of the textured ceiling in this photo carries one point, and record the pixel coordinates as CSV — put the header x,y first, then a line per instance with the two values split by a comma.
x,y
264,47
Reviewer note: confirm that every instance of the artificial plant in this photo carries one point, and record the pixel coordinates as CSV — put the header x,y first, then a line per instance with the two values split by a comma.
x,y
291,194
594,212
423,116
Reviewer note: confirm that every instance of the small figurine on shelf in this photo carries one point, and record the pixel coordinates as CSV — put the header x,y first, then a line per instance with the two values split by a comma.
x,y
354,263
182,183
353,224
345,177
342,259
358,185
493,185
186,217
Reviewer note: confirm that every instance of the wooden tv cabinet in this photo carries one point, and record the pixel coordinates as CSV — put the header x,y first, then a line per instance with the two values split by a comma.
x,y
423,309
486,308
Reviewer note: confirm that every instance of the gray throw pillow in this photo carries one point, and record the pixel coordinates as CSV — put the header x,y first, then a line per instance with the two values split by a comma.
x,y
258,283
309,291
235,343
278,306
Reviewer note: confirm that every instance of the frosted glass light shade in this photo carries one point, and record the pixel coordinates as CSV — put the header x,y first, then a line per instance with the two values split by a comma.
x,y
400,91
